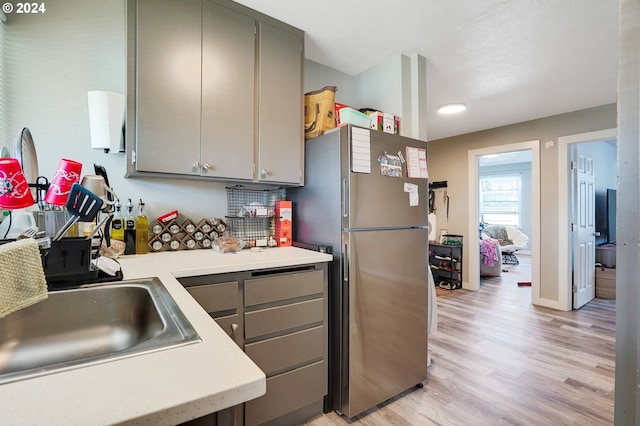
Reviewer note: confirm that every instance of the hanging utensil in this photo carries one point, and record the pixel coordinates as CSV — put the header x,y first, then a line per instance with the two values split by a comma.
x,y
42,184
445,198
101,171
83,205
432,201
103,222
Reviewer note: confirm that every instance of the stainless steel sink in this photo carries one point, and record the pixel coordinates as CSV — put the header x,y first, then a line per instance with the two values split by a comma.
x,y
91,324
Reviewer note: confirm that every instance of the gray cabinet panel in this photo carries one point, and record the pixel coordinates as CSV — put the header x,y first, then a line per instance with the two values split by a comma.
x,y
280,318
216,297
280,130
280,321
168,85
282,287
231,325
282,352
228,69
288,392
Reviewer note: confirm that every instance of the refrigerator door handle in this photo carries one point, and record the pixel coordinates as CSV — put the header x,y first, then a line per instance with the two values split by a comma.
x,y
345,263
345,198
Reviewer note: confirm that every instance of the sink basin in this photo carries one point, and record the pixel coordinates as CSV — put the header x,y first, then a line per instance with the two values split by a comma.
x,y
91,324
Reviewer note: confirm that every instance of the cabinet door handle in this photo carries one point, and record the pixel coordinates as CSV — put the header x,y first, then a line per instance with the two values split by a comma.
x,y
263,173
196,165
234,327
206,166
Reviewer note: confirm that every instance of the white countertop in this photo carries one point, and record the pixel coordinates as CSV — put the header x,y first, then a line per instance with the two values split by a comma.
x,y
160,388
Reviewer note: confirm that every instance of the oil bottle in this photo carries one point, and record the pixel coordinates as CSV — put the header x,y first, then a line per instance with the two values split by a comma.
x,y
130,230
117,224
142,230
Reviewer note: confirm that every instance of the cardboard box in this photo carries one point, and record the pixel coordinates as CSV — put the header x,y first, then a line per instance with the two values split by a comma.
x,y
376,120
385,122
283,225
338,107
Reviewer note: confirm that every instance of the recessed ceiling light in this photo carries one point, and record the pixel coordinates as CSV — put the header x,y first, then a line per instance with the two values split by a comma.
x,y
452,108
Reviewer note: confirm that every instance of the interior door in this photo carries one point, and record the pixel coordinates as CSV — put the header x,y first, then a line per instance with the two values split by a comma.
x,y
584,232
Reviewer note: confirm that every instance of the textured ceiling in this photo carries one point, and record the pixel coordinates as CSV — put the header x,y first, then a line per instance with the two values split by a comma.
x,y
508,60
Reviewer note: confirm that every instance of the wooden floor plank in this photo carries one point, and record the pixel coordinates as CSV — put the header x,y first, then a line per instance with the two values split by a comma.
x,y
498,360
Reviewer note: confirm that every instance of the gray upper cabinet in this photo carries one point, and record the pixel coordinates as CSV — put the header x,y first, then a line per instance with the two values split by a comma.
x,y
228,91
214,91
280,105
168,85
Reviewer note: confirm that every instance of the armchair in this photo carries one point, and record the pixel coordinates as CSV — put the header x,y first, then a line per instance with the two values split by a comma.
x,y
511,239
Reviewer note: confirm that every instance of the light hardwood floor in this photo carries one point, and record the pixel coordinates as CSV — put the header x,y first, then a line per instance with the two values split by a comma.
x,y
498,360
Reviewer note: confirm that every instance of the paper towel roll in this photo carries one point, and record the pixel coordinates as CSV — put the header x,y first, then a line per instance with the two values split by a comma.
x,y
432,227
106,120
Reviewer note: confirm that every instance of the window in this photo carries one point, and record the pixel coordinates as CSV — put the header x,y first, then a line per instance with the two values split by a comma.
x,y
500,199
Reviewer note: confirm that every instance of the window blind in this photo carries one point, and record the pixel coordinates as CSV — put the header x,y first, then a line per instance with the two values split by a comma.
x,y
4,140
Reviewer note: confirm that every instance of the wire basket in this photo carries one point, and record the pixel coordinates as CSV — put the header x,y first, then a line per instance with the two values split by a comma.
x,y
245,202
250,212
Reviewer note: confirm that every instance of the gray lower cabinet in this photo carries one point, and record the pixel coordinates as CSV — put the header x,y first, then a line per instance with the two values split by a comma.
x,y
214,91
279,317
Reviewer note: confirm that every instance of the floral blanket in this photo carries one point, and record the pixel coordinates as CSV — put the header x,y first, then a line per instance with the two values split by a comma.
x,y
489,251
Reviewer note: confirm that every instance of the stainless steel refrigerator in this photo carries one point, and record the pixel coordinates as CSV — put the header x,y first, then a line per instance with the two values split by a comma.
x,y
366,195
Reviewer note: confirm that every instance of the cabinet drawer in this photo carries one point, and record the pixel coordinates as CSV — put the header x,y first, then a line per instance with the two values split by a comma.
x,y
279,318
288,392
216,297
287,351
281,287
229,324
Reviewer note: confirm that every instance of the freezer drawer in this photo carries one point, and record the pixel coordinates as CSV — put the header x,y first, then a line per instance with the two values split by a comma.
x,y
288,392
280,318
289,351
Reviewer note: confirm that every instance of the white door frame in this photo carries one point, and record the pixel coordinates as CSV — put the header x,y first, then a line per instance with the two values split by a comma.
x,y
474,213
565,281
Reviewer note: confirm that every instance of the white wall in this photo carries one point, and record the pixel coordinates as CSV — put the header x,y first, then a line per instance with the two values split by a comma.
x,y
627,388
448,161
396,86
316,76
53,59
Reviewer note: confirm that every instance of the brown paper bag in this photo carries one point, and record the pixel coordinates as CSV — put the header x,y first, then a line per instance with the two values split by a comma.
x,y
319,111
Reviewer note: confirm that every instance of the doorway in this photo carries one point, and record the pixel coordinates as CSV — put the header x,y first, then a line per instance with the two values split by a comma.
x,y
474,211
566,145
505,215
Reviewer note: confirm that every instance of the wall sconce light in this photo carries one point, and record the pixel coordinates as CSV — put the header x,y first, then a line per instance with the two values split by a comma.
x,y
106,120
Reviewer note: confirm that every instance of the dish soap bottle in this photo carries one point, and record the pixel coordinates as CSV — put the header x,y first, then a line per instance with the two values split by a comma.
x,y
130,230
142,230
117,224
